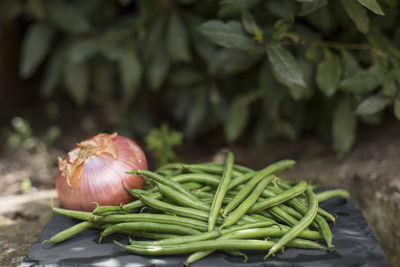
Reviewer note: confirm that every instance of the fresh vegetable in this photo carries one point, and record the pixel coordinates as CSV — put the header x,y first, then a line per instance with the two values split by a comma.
x,y
198,208
94,171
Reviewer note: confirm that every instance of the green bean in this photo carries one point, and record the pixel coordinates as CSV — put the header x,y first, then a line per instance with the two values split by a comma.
x,y
237,167
322,196
208,179
294,213
321,211
138,203
190,186
161,179
236,253
245,191
235,215
272,231
288,194
206,188
80,215
302,225
271,169
108,210
221,191
182,239
211,169
182,199
302,243
151,235
148,217
282,216
320,221
166,207
149,226
200,245
69,232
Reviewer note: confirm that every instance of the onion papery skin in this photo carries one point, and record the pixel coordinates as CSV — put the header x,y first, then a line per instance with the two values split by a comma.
x,y
102,176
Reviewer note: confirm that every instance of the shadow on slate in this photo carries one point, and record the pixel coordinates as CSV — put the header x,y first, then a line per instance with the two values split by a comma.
x,y
355,245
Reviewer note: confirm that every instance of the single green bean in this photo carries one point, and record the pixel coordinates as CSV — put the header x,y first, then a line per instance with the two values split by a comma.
x,y
150,235
80,215
69,232
322,196
302,225
200,245
235,215
302,243
151,227
221,191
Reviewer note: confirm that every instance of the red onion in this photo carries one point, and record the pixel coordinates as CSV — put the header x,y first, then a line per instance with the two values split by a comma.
x,y
94,170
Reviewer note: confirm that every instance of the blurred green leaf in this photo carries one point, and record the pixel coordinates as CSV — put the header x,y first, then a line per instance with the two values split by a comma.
x,y
357,13
372,105
389,85
311,6
362,81
158,69
328,73
160,142
130,70
238,115
196,112
373,6
67,16
251,26
397,109
280,29
229,35
349,63
379,40
228,61
343,127
77,82
22,127
82,49
185,77
313,53
35,46
285,64
234,7
177,40
103,82
53,74
25,185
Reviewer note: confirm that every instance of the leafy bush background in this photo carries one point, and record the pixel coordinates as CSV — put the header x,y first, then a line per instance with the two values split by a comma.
x,y
254,68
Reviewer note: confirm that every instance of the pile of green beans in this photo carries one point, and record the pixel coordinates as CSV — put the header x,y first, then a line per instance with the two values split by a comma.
x,y
207,207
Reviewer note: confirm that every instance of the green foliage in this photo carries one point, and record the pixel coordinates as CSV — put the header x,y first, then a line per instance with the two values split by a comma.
x,y
267,68
160,142
21,135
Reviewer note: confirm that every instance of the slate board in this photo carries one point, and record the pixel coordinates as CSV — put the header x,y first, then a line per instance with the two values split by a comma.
x,y
355,245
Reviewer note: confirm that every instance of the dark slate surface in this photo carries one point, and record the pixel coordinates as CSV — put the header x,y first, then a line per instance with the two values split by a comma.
x,y
354,241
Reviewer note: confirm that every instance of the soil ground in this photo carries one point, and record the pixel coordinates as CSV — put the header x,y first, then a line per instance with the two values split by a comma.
x,y
371,173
